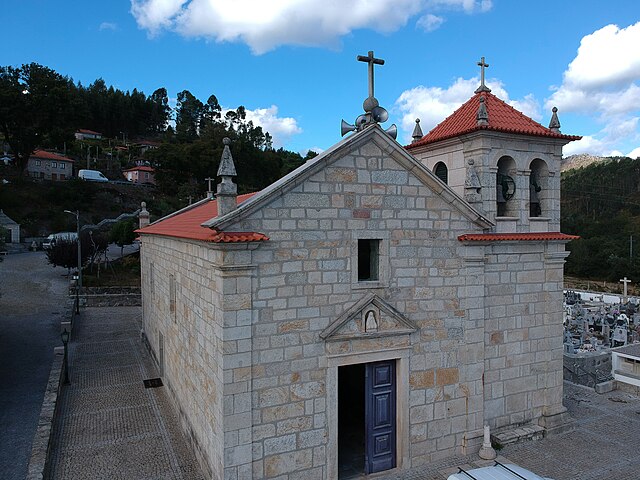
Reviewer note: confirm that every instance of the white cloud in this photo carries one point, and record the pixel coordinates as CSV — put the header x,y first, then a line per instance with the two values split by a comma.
x,y
265,25
430,22
281,129
601,82
606,57
469,6
108,26
587,144
433,104
318,150
154,15
635,153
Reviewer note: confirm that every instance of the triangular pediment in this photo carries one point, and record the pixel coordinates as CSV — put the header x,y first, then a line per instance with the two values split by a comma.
x,y
377,138
369,317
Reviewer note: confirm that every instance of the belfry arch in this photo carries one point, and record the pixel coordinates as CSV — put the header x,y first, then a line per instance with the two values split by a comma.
x,y
539,188
506,204
441,171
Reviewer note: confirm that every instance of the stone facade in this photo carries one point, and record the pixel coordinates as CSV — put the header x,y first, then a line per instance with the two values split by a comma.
x,y
251,336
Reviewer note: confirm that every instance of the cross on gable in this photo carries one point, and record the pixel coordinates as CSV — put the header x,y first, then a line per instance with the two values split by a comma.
x,y
482,88
371,60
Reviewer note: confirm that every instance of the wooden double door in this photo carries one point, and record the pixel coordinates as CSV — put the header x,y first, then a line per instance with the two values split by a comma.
x,y
367,410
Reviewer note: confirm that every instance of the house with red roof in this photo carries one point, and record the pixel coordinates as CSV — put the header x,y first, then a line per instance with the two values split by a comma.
x,y
140,174
49,166
372,310
84,134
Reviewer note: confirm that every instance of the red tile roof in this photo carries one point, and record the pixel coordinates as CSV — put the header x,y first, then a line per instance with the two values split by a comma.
x,y
516,237
188,224
88,132
50,156
502,118
141,168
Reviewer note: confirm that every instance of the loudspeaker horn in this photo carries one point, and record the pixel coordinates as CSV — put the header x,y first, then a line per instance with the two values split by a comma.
x,y
392,131
346,128
380,114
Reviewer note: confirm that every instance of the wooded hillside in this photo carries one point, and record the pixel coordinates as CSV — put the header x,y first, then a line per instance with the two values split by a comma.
x,y
601,203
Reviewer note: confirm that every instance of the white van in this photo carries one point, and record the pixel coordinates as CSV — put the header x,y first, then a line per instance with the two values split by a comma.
x,y
92,176
51,240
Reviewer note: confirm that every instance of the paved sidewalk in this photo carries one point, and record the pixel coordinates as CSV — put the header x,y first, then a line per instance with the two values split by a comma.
x,y
110,426
603,444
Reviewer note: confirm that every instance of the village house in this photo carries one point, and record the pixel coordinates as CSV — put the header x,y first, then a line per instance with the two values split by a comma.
x,y
84,134
372,310
140,174
49,166
12,228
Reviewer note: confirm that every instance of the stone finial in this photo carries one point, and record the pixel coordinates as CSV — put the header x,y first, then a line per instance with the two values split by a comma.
x,y
227,167
417,132
554,124
143,216
227,193
483,116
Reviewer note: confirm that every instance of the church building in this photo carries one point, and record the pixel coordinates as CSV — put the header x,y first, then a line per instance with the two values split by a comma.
x,y
372,310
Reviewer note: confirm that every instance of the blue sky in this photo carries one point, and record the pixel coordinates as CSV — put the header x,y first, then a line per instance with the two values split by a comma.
x,y
292,63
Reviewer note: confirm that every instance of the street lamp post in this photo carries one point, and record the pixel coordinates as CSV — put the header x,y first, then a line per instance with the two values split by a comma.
x,y
65,340
75,280
77,214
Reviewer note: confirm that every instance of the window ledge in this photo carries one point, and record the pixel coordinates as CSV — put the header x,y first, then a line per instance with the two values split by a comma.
x,y
361,285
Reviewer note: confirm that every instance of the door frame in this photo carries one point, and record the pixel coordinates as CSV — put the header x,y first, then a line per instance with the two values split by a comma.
x,y
401,356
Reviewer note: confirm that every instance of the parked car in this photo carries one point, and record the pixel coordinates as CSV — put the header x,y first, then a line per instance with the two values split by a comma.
x,y
51,240
92,176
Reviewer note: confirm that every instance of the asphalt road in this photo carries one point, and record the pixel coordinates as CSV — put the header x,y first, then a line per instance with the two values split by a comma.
x,y
32,301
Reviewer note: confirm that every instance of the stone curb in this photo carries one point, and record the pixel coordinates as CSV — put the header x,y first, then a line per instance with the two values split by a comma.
x,y
42,439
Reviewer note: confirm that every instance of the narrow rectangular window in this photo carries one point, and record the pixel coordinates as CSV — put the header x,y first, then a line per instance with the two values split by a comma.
x,y
62,164
38,163
172,294
368,259
54,164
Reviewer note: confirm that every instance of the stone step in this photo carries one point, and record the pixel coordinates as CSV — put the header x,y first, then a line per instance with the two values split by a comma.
x,y
520,434
605,387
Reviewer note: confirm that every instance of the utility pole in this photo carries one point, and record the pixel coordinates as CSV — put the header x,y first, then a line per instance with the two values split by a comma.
x,y
77,214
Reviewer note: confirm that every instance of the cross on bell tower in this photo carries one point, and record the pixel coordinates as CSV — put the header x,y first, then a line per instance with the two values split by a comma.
x,y
482,87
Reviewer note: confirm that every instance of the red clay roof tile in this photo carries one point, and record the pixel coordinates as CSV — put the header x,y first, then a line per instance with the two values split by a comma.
x,y
188,224
50,156
502,118
140,168
515,237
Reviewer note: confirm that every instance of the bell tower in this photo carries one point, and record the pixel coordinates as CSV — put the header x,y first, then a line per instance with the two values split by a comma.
x,y
503,163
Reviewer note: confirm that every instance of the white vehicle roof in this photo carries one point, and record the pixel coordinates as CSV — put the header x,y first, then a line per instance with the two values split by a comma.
x,y
499,471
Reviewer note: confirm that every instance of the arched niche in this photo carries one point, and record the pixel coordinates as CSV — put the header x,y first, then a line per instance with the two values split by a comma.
x,y
441,171
506,204
539,188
